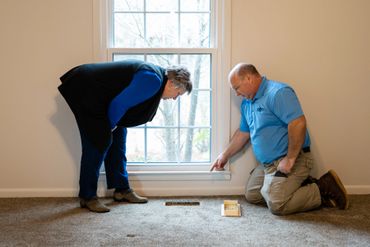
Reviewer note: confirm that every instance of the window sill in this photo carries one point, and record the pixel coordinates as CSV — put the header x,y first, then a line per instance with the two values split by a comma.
x,y
177,175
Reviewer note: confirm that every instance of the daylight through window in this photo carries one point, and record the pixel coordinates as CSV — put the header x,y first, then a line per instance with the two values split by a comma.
x,y
167,32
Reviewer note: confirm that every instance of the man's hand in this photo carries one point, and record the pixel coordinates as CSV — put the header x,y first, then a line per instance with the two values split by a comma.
x,y
237,142
219,163
286,165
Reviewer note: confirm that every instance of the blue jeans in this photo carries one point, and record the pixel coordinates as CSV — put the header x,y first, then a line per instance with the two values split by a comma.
x,y
114,158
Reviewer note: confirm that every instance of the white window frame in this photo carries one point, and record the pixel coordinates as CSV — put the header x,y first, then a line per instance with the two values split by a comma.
x,y
220,52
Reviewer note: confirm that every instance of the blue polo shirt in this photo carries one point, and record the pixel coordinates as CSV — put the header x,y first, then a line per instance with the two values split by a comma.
x,y
266,118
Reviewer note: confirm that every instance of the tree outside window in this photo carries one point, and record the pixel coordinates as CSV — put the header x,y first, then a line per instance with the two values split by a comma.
x,y
167,32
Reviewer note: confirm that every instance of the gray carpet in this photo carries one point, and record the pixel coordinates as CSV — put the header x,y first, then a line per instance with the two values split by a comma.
x,y
60,222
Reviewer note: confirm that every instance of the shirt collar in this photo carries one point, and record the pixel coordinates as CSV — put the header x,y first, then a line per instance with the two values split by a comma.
x,y
261,89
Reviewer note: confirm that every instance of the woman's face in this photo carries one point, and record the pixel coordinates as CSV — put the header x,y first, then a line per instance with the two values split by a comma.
x,y
171,91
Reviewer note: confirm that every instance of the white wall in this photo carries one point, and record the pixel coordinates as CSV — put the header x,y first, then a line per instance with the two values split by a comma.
x,y
320,47
40,39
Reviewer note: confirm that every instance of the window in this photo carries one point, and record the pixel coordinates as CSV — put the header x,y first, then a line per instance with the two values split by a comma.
x,y
167,32
181,130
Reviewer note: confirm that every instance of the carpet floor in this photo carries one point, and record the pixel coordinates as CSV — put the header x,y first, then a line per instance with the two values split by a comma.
x,y
61,222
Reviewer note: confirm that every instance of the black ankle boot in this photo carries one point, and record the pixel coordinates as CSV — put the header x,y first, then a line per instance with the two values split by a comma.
x,y
332,189
309,180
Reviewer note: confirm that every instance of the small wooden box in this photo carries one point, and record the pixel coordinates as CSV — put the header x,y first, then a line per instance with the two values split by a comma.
x,y
230,208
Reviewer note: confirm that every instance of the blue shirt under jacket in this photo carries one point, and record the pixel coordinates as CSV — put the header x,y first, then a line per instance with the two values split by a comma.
x,y
144,85
266,118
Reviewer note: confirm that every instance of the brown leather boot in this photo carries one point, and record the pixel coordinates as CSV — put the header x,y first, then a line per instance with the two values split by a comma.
x,y
94,205
332,189
325,201
128,196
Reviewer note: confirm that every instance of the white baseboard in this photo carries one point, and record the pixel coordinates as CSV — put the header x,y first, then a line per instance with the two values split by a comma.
x,y
152,191
38,192
203,191
358,189
160,191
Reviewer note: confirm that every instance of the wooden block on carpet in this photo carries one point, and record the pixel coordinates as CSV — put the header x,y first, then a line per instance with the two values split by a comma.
x,y
231,208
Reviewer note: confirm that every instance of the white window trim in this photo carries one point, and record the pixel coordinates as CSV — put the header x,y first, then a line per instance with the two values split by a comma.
x,y
220,92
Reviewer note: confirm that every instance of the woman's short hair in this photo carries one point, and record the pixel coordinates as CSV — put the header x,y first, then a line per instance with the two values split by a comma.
x,y
180,76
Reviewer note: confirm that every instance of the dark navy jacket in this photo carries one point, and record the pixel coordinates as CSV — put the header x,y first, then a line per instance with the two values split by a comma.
x,y
89,89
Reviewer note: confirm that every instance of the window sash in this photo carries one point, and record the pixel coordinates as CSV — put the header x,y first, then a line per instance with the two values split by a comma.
x,y
212,21
176,51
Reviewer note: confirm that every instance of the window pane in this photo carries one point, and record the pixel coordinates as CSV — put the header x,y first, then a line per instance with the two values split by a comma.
x,y
200,68
162,145
120,57
195,145
195,30
163,60
167,114
195,5
161,5
135,151
161,30
128,30
195,109
128,5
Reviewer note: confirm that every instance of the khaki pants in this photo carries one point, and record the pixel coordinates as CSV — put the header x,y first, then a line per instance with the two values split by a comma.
x,y
284,195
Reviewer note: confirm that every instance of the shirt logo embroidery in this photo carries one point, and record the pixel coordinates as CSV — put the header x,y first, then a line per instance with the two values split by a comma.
x,y
259,109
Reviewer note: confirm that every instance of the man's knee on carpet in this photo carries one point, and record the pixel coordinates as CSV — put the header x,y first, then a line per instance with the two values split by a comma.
x,y
277,208
254,197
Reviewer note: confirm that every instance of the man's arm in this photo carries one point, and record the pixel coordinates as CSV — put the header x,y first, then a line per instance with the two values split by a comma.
x,y
296,137
237,142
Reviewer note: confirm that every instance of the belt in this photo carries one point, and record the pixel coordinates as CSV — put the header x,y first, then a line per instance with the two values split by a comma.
x,y
304,150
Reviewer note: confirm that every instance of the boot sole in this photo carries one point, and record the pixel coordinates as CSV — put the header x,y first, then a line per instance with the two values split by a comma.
x,y
337,180
84,205
125,200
